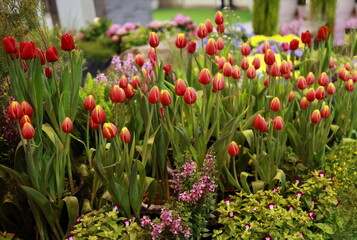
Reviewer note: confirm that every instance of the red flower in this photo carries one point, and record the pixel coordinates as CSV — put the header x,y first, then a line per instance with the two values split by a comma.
x,y
269,57
236,73
92,124
98,115
244,64
219,18
181,40
310,78
227,69
301,83
285,46
266,46
294,44
154,40
304,104
275,104
233,149
89,103
320,93
202,31
67,42
109,130
129,91
191,47
322,33
331,89
209,25
245,49
218,82
67,125
211,47
51,54
343,74
48,72
135,81
230,59
27,131
117,94
306,37
24,120
284,67
316,116
325,111
9,44
278,123
205,76
40,55
291,96
260,123
311,95
350,85
139,60
180,87
323,79
15,110
123,81
190,95
26,108
251,72
220,43
256,63
165,97
167,68
220,28
24,66
154,95
27,50
274,70
125,135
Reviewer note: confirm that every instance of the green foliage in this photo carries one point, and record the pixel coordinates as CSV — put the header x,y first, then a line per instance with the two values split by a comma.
x,y
136,38
323,12
105,224
99,50
265,16
281,222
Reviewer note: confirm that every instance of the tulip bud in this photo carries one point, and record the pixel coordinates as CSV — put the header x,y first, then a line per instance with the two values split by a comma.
x,y
167,68
320,93
10,45
348,66
109,130
354,76
306,38
89,103
25,119
67,125
129,91
322,33
251,72
123,81
285,46
205,76
343,74
180,87
325,111
139,60
220,44
161,111
219,18
301,84
154,95
316,116
220,61
266,81
332,63
165,97
265,47
191,47
51,54
278,123
209,25
220,28
211,47
291,96
275,104
27,50
190,95
284,67
26,108
294,44
40,55
125,135
323,79
92,124
245,49
260,123
98,115
48,72
227,69
15,110
304,103
27,131
310,78
135,82
310,95
117,94
236,73
181,40
230,59
349,85
256,63
244,64
67,42
154,40
269,57
233,149
331,89
202,31
274,70
218,82
287,75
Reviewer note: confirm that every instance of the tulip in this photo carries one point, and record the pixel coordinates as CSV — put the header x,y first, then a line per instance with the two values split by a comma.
x,y
209,25
26,108
251,72
236,73
275,104
24,120
348,66
284,67
211,47
181,40
218,82
190,95
51,54
220,61
117,94
256,63
269,57
15,110
266,81
202,31
320,93
230,59
306,38
244,64
27,131
304,103
354,76
260,123
167,68
301,83
316,116
125,135
219,18
40,55
287,75
349,85
278,123
332,63
154,95
27,50
123,81
227,69
322,33
245,49
266,46
89,103
311,95
92,124
10,45
48,72
220,44
343,74
285,46
161,111
154,40
323,79
291,96
205,76
109,130
274,70
220,28
325,111
165,97
331,89
310,78
24,66
67,42
191,47
129,91
180,87
139,60
294,44
233,149
67,125
135,82
98,115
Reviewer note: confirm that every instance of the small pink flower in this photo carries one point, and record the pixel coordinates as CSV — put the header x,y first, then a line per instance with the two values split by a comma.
x,y
116,207
325,188
321,174
312,215
297,181
126,222
302,235
276,190
337,203
231,214
267,237
291,208
271,206
247,226
299,194
227,201
78,219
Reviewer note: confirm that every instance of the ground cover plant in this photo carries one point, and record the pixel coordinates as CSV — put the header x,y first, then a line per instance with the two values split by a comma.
x,y
247,120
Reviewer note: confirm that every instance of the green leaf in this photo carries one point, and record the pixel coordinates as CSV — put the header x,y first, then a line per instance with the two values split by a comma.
x,y
280,176
243,180
258,185
72,209
249,136
51,133
325,228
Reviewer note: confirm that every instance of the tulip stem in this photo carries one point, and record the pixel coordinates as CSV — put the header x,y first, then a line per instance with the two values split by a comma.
x,y
217,115
89,158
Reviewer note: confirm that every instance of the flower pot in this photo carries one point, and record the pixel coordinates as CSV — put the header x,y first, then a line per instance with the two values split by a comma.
x,y
287,10
303,11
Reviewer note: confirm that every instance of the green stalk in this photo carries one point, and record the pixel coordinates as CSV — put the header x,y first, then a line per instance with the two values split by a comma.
x,y
217,115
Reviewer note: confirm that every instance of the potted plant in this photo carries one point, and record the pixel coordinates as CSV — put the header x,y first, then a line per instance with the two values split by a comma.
x,y
302,9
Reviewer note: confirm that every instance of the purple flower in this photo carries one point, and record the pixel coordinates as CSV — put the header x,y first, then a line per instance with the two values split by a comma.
x,y
145,221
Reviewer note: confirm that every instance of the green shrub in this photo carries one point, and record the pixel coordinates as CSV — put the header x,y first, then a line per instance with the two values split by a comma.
x,y
265,16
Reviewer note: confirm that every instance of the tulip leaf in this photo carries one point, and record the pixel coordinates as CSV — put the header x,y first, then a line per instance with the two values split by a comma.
x,y
135,202
231,179
72,209
257,185
280,176
249,136
243,180
51,133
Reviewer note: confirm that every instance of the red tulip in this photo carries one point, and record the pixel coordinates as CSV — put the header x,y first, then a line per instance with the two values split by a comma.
x,y
167,68
123,81
27,131
154,95
287,75
15,110
266,46
220,43
233,149
180,87
251,72
109,130
310,78
278,123
285,46
98,115
89,103
320,93
51,54
260,123
48,72
181,40
135,82
269,57
304,103
325,111
125,135
343,74
230,59
323,79
354,76
25,119
26,108
191,47
274,70
220,28
331,89
209,25
129,91
350,85
332,63
165,97
219,18
275,104
139,60
218,82
220,61
211,47
236,73
294,44
40,55
205,76
67,42
190,95
10,45
244,64
202,31
266,81
154,40
348,66
117,94
301,83
92,124
306,37
322,33
27,50
284,67
245,49
227,69
291,96
316,116
67,125
311,95
256,63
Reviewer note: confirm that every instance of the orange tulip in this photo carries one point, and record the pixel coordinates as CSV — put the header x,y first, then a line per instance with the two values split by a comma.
x,y
117,94
205,76
98,115
89,103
